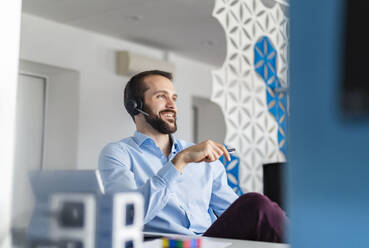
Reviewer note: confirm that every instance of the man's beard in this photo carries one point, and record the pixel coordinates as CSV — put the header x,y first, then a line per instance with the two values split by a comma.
x,y
159,124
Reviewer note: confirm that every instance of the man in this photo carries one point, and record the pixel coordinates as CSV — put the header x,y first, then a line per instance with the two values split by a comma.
x,y
184,185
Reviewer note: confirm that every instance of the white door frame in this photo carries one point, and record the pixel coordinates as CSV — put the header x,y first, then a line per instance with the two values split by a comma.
x,y
44,124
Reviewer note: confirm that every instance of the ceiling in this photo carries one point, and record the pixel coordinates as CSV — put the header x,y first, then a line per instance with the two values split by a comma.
x,y
184,26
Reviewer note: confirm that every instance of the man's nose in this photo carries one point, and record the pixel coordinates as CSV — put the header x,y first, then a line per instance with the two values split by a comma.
x,y
171,103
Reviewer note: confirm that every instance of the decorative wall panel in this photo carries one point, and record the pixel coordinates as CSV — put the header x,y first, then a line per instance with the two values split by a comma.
x,y
249,87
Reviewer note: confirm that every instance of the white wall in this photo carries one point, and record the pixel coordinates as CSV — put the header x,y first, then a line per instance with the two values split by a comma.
x,y
192,79
210,120
61,112
102,117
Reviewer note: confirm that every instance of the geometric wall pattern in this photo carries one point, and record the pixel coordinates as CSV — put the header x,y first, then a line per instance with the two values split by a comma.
x,y
232,169
255,110
265,64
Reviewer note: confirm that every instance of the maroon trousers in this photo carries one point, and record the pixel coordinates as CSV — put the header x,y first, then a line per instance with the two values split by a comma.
x,y
251,217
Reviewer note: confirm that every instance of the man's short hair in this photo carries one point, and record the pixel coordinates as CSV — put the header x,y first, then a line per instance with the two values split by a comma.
x,y
136,87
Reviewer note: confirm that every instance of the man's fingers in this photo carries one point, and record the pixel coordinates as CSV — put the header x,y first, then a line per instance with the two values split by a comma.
x,y
220,149
217,149
224,151
210,157
212,151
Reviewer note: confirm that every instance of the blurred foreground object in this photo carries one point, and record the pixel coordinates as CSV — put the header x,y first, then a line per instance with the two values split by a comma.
x,y
72,211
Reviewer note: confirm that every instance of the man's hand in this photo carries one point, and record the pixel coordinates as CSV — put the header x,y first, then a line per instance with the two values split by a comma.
x,y
207,151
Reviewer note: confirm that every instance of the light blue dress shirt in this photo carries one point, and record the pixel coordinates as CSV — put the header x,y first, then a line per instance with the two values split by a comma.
x,y
175,202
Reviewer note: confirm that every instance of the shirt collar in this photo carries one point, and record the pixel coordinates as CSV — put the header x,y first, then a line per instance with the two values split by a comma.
x,y
141,138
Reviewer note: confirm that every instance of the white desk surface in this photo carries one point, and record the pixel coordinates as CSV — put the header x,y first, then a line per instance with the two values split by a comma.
x,y
208,242
236,243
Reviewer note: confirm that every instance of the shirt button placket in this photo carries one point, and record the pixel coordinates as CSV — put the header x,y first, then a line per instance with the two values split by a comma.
x,y
163,159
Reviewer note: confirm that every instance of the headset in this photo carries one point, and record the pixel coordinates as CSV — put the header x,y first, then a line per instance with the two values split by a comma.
x,y
133,105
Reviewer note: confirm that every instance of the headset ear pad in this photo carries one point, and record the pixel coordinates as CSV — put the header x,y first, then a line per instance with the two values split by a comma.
x,y
132,105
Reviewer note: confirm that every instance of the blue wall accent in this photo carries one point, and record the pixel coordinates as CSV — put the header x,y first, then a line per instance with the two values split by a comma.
x,y
328,170
265,62
232,169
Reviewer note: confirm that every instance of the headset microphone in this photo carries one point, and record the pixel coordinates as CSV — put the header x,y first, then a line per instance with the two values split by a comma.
x,y
134,107
143,112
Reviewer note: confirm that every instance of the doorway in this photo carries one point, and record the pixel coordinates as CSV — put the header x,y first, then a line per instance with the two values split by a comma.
x,y
29,144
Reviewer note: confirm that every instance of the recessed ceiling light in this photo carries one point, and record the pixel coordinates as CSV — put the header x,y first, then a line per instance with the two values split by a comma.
x,y
209,43
135,18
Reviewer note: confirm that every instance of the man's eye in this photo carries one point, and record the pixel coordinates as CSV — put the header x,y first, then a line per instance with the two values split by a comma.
x,y
161,96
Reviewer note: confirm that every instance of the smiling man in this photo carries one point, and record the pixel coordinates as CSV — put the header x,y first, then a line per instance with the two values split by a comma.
x,y
184,185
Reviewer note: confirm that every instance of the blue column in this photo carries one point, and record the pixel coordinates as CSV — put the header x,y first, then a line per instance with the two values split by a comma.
x,y
328,177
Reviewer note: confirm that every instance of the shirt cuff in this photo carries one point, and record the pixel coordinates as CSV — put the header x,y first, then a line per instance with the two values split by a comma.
x,y
169,174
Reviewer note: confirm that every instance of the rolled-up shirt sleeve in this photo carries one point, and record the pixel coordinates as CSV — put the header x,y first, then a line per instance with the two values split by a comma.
x,y
114,167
